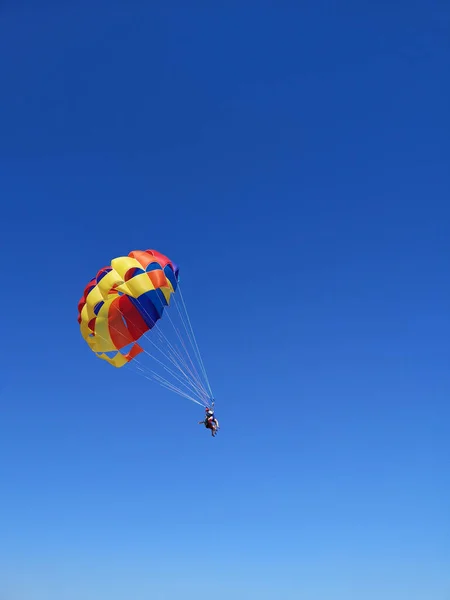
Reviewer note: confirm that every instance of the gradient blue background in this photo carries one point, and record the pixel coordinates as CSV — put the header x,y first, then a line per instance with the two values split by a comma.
x,y
293,158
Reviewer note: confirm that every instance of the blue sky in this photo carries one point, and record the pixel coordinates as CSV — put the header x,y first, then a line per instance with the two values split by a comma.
x,y
293,160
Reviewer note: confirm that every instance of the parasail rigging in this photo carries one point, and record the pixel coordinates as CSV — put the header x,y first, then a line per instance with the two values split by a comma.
x,y
133,314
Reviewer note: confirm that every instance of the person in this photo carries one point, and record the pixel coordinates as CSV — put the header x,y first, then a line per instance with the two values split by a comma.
x,y
210,421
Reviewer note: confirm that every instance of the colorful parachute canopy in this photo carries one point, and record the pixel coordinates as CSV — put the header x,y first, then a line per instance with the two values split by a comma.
x,y
124,301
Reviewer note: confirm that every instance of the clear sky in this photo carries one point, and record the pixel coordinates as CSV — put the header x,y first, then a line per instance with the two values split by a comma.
x,y
293,159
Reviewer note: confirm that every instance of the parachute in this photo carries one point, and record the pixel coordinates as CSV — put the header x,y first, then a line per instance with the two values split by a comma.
x,y
121,316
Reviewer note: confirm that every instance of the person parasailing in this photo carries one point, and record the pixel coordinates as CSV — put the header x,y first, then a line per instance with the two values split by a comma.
x,y
210,421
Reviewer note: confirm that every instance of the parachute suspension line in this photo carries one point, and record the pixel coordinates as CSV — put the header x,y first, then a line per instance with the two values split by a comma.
x,y
158,378
177,351
153,376
189,336
178,355
196,389
196,344
186,351
172,355
193,380
173,373
184,348
187,325
167,384
175,357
